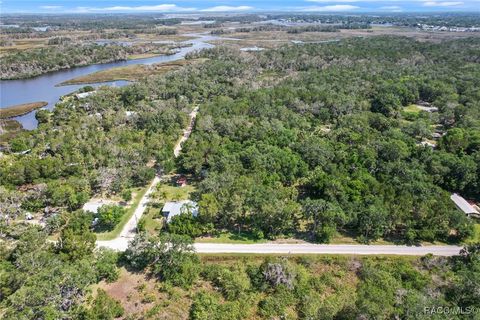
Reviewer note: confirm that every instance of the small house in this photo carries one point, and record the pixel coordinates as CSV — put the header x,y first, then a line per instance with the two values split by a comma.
x,y
84,95
175,208
463,205
94,204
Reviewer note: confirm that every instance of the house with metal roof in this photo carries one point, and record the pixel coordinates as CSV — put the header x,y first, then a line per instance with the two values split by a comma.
x,y
175,208
463,205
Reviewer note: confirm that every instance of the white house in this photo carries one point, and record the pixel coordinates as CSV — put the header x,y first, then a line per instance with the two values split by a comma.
x,y
83,95
463,205
94,204
175,208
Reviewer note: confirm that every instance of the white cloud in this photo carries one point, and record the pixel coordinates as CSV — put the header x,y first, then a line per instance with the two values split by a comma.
x,y
51,7
442,4
227,8
155,8
392,8
332,1
337,7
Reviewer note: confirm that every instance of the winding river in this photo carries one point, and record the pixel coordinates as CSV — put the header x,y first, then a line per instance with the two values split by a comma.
x,y
44,87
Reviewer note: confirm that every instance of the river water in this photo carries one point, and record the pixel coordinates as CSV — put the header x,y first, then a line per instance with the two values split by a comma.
x,y
43,87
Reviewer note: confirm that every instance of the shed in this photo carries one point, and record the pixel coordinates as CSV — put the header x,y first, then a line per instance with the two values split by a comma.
x,y
182,181
175,208
463,205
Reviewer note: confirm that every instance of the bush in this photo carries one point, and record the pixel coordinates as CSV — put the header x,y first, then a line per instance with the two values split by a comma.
x,y
185,224
233,281
141,225
170,257
106,265
143,175
109,216
127,195
103,308
277,273
207,306
275,305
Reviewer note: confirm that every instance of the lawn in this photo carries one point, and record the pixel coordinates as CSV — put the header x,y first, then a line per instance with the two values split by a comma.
x,y
413,108
166,192
476,234
231,237
153,220
137,195
346,239
411,112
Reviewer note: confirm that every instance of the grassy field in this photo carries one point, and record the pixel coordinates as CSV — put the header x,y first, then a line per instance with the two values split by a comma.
x,y
138,194
413,108
476,234
167,192
249,238
153,220
231,237
129,73
24,44
21,109
274,39
143,56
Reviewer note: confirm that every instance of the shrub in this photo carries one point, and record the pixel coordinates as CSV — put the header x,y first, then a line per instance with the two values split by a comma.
x,y
127,195
106,265
109,216
103,308
185,224
207,306
233,281
276,304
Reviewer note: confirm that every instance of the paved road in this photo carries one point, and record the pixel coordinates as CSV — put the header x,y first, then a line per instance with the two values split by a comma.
x,y
326,249
273,248
130,228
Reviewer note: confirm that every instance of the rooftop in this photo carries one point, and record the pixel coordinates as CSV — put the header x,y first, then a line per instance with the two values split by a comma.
x,y
463,204
94,204
175,208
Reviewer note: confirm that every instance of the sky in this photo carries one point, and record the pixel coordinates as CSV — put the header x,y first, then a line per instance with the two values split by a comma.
x,y
204,6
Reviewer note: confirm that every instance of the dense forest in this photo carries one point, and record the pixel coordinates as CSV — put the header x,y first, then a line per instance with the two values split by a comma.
x,y
303,141
328,143
306,139
63,53
76,152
